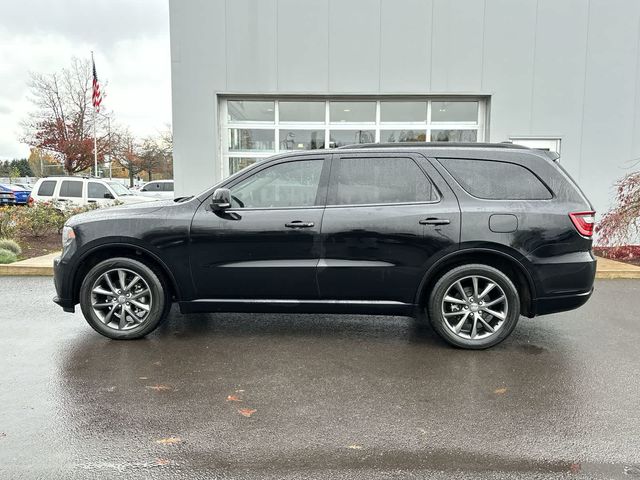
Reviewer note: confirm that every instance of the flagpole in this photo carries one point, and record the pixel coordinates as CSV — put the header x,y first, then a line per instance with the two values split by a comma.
x,y
95,140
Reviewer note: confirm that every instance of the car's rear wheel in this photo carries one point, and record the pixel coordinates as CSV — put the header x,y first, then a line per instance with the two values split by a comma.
x,y
474,306
123,299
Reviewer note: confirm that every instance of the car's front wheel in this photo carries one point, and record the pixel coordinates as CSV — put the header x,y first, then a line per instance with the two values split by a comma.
x,y
123,299
474,306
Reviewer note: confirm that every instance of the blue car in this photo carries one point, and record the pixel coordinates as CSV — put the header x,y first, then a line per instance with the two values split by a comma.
x,y
20,194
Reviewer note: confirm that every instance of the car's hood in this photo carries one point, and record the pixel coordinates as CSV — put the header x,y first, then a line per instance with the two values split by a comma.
x,y
120,211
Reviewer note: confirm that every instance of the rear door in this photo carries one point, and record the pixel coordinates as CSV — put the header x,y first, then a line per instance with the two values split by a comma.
x,y
71,193
387,215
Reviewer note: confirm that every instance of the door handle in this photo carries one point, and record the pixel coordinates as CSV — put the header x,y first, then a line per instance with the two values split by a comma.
x,y
91,201
299,224
435,221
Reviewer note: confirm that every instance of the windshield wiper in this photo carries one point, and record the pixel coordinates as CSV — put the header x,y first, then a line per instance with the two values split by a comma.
x,y
182,199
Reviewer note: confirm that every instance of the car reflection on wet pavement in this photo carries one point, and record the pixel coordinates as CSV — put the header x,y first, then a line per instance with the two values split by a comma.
x,y
290,396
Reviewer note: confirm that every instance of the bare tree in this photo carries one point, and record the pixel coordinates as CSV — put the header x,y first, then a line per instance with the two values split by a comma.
x,y
126,151
62,121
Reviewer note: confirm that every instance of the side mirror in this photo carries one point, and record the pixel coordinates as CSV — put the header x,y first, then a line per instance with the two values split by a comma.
x,y
108,195
221,199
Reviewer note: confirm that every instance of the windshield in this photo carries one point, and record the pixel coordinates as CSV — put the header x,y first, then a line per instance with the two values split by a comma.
x,y
119,189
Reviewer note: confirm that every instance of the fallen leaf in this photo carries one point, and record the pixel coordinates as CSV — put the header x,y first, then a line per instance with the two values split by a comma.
x,y
355,447
158,363
575,468
158,387
163,461
239,391
143,378
246,412
233,398
500,391
169,441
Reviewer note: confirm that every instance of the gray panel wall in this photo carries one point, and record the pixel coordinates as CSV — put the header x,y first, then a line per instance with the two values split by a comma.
x,y
552,68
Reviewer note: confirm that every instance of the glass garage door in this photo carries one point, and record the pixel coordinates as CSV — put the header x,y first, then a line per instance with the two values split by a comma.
x,y
254,128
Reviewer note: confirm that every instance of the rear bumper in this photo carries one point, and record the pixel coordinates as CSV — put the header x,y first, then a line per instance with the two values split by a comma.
x,y
561,303
564,282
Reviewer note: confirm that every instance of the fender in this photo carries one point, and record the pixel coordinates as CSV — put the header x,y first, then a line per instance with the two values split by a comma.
x,y
124,242
477,249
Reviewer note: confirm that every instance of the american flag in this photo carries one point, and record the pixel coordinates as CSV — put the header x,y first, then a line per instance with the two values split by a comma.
x,y
97,96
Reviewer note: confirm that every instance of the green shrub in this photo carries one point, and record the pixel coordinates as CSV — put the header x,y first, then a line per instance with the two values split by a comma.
x,y
8,221
7,256
11,245
40,219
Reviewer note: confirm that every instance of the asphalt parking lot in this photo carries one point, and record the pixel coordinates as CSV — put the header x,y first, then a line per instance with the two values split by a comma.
x,y
299,396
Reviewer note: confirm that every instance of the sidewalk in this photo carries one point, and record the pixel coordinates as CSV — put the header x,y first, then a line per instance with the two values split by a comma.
x,y
43,266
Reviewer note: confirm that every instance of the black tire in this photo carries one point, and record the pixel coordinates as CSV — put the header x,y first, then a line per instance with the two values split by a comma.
x,y
158,310
448,280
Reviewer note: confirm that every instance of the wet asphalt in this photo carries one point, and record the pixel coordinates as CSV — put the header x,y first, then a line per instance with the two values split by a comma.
x,y
322,396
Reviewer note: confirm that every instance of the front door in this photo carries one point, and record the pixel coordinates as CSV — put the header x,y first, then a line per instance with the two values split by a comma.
x,y
267,245
385,219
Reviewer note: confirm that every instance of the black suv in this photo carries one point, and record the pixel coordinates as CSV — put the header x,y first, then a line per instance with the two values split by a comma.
x,y
470,236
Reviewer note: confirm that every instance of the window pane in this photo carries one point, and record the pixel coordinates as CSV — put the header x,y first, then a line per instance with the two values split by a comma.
x,y
454,135
238,163
71,188
361,181
403,111
96,190
301,111
496,180
168,186
251,139
291,184
392,136
301,139
46,188
352,112
250,111
339,138
454,111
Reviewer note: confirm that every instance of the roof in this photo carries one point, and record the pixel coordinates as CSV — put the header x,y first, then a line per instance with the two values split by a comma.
x,y
434,145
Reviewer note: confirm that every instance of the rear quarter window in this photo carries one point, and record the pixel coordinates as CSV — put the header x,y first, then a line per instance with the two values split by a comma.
x,y
493,180
46,188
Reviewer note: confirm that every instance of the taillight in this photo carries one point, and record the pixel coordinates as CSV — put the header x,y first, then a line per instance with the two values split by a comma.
x,y
584,221
30,200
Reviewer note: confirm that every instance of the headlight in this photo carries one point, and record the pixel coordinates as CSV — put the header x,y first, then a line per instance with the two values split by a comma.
x,y
68,236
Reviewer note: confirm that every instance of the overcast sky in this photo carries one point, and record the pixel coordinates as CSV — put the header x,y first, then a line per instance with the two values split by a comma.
x,y
130,40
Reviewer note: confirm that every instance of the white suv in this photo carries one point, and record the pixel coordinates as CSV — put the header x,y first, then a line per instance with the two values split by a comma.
x,y
83,191
158,189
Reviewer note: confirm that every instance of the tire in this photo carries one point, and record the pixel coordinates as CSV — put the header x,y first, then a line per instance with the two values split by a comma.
x,y
448,308
145,307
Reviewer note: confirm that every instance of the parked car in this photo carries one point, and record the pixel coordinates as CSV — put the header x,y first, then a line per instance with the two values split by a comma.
x,y
7,197
24,186
20,194
83,191
470,236
158,189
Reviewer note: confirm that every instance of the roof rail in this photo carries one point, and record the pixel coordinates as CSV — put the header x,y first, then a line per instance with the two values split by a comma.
x,y
73,176
435,144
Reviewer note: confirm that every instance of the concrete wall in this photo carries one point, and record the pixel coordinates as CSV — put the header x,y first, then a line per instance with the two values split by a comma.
x,y
552,68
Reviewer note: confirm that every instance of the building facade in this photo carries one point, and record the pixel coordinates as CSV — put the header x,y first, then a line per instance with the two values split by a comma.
x,y
251,78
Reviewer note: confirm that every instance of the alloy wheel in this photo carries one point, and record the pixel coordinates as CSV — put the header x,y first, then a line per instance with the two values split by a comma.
x,y
121,299
474,307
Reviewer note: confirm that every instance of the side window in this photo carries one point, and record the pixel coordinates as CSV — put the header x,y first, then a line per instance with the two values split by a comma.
x,y
495,180
168,186
71,188
46,188
96,190
290,184
363,181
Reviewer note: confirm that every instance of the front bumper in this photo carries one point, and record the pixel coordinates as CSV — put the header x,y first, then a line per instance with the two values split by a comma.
x,y
64,294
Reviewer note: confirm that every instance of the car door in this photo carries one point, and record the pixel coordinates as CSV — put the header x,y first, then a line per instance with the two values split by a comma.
x,y
386,216
71,193
99,194
266,246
